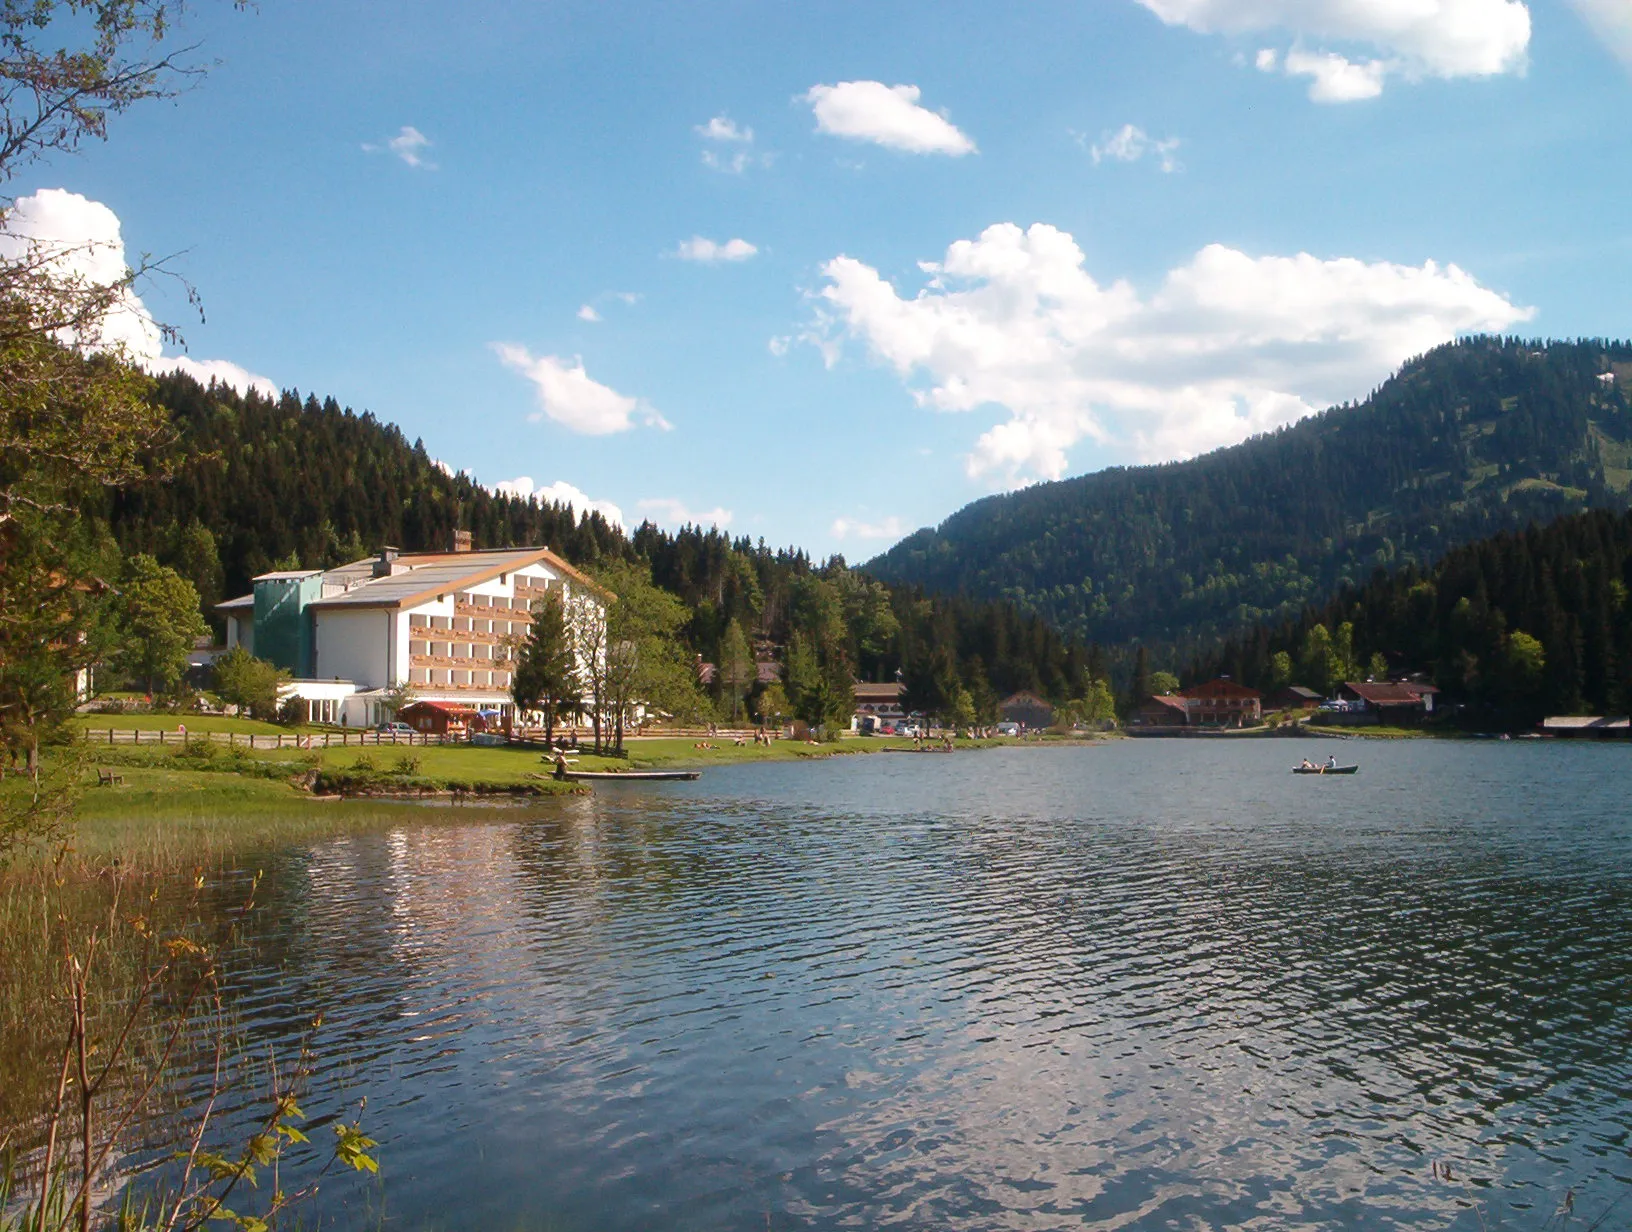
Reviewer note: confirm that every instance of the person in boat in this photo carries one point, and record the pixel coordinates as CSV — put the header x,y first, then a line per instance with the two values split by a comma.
x,y
1331,761
1307,765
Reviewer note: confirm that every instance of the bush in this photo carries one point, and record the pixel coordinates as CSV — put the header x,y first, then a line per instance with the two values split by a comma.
x,y
407,764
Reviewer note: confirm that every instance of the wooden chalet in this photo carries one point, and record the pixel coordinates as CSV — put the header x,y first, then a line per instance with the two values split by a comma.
x,y
439,718
1224,703
1292,697
1398,702
1163,710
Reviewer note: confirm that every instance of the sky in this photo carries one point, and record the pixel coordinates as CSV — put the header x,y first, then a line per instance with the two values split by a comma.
x,y
824,273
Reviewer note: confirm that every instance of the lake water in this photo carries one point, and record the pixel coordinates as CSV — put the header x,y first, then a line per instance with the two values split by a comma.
x,y
1153,984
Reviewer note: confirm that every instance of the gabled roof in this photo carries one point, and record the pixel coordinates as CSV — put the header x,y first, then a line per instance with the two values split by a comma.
x,y
452,709
1297,690
425,575
241,601
1388,693
1171,701
878,692
1222,687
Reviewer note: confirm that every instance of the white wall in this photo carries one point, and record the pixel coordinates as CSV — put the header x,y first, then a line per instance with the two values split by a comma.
x,y
353,645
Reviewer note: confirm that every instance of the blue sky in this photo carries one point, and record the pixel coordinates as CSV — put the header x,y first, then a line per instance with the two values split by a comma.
x,y
1153,227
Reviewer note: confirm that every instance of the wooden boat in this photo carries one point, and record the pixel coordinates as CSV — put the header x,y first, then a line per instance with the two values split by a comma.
x,y
1324,769
630,776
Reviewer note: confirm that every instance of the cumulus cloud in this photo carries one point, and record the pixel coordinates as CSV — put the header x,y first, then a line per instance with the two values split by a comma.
x,y
889,116
1405,38
699,248
1228,345
1130,143
730,145
559,493
568,395
409,145
81,239
1335,79
1611,21
667,511
587,313
852,528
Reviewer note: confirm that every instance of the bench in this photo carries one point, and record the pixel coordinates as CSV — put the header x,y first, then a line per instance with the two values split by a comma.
x,y
107,778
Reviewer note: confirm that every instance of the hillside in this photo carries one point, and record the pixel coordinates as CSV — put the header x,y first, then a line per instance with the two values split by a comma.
x,y
1514,627
260,484
1471,439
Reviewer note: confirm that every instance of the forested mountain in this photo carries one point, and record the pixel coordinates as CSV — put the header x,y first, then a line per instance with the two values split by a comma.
x,y
1521,625
261,484
1471,439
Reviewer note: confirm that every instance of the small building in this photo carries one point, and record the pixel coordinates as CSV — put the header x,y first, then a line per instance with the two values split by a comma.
x,y
1397,702
1588,726
877,705
1292,697
1224,703
1163,710
439,718
1026,709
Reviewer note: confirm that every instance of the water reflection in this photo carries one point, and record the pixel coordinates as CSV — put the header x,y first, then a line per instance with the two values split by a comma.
x,y
1142,986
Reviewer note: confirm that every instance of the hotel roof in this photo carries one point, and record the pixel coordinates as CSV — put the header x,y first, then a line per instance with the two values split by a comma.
x,y
422,576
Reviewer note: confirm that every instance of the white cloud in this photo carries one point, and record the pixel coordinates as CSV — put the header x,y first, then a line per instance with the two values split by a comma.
x,y
409,145
587,313
671,512
559,493
1335,79
1410,38
699,248
731,150
81,239
568,395
1227,346
1130,143
724,128
1611,21
887,115
889,528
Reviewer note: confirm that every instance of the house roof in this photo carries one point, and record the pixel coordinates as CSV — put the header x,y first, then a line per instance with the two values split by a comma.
x,y
769,671
285,575
1296,690
1389,693
1585,722
878,692
1023,698
1221,687
234,604
425,575
452,709
1169,700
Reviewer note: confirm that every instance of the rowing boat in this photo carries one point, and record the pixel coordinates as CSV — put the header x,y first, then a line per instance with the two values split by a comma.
x,y
1324,769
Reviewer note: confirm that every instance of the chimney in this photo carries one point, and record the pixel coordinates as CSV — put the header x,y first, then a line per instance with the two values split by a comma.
x,y
386,565
461,541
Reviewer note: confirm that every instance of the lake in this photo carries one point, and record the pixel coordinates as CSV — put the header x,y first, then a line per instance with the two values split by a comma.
x,y
1151,984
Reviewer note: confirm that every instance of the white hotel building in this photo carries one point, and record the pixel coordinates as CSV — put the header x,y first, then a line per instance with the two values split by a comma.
x,y
443,623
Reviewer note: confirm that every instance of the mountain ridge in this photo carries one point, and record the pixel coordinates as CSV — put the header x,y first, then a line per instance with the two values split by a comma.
x,y
1473,438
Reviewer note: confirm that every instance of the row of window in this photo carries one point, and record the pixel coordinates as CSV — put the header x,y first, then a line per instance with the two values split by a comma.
x,y
456,677
458,650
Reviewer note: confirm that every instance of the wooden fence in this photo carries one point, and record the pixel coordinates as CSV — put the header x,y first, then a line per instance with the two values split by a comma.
x,y
340,739
265,740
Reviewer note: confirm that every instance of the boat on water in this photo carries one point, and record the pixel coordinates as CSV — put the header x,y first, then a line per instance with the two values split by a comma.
x,y
629,776
1324,769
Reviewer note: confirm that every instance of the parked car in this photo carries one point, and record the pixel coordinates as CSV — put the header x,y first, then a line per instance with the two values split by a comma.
x,y
395,729
1008,729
